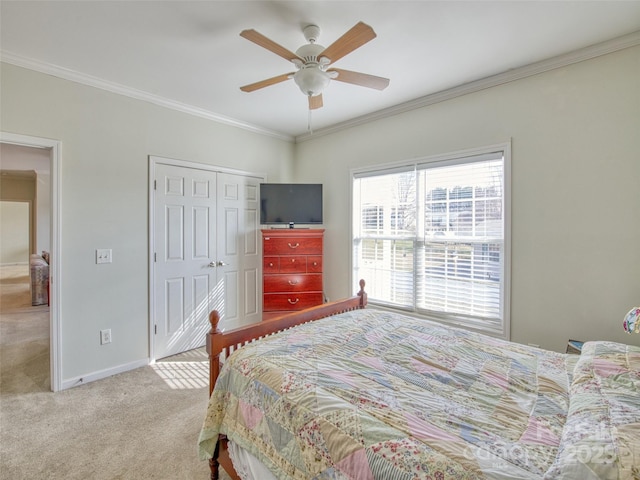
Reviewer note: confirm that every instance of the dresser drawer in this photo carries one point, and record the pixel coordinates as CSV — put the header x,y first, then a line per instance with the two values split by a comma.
x,y
292,246
314,264
292,283
293,264
290,301
271,264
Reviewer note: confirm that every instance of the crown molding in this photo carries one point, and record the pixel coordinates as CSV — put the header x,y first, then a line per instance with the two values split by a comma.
x,y
586,53
77,77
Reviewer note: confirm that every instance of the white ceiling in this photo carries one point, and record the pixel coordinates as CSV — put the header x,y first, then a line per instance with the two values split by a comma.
x,y
190,54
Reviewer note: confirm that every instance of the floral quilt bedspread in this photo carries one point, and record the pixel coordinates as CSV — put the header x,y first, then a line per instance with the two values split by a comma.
x,y
376,395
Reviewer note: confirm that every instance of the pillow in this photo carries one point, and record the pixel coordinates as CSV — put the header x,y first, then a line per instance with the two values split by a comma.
x,y
601,438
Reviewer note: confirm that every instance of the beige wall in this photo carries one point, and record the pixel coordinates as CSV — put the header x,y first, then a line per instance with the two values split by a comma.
x,y
575,144
18,193
106,140
575,195
14,233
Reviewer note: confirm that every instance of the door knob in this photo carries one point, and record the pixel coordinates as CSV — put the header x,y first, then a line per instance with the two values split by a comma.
x,y
212,264
222,264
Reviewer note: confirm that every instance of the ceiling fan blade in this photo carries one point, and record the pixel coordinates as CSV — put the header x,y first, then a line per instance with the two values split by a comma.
x,y
315,102
361,79
359,34
265,83
269,44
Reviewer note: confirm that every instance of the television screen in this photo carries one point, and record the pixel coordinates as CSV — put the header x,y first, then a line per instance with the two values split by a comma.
x,y
290,203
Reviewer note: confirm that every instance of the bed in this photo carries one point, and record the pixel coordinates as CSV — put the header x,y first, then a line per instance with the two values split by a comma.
x,y
348,392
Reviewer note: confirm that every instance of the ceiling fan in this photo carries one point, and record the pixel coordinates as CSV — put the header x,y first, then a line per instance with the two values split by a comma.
x,y
312,62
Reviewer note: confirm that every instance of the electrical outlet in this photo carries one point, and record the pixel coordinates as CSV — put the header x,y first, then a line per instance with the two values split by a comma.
x,y
105,336
104,255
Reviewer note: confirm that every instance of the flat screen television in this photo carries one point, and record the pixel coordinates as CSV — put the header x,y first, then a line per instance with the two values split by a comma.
x,y
290,203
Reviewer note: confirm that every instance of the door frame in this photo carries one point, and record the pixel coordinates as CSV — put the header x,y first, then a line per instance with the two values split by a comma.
x,y
153,161
55,334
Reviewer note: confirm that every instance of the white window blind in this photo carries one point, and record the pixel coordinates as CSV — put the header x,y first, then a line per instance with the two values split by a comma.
x,y
430,237
385,232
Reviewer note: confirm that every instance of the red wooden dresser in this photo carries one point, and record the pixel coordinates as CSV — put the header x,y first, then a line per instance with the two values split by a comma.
x,y
291,269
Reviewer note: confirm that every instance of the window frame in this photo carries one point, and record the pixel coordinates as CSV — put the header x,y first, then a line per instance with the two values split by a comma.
x,y
499,328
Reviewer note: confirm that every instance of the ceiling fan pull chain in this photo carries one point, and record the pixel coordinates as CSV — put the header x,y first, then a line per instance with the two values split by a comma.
x,y
309,128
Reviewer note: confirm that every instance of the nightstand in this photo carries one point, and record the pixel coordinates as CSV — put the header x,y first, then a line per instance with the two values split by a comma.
x,y
574,346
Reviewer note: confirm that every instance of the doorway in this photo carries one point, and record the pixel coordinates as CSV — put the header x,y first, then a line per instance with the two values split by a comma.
x,y
43,224
204,252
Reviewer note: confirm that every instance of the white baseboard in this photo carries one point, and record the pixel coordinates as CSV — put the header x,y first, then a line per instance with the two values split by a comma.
x,y
99,375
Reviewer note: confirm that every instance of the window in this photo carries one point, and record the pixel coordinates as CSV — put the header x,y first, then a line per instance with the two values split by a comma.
x,y
431,237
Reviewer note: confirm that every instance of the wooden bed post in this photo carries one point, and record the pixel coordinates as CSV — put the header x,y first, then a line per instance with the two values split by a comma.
x,y
214,465
214,371
214,356
362,294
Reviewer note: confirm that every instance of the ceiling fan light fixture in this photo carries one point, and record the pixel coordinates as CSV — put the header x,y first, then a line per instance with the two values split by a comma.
x,y
311,80
312,61
309,52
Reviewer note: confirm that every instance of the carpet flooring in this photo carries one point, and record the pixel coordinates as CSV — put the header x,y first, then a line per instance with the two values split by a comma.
x,y
141,424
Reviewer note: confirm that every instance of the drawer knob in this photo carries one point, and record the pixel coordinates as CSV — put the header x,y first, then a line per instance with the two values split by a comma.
x,y
293,282
315,264
293,302
271,264
293,260
293,246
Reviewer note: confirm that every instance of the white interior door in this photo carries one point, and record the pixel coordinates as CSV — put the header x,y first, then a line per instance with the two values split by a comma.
x,y
207,257
238,249
185,257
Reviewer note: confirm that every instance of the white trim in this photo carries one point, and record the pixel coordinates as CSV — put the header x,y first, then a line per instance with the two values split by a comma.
x,y
587,53
360,172
506,301
107,372
203,166
84,79
153,161
151,254
55,350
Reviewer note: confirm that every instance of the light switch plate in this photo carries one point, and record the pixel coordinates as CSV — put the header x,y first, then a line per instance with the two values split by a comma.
x,y
104,255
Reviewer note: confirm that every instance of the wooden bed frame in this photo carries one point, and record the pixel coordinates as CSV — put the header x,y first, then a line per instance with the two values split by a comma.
x,y
226,342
